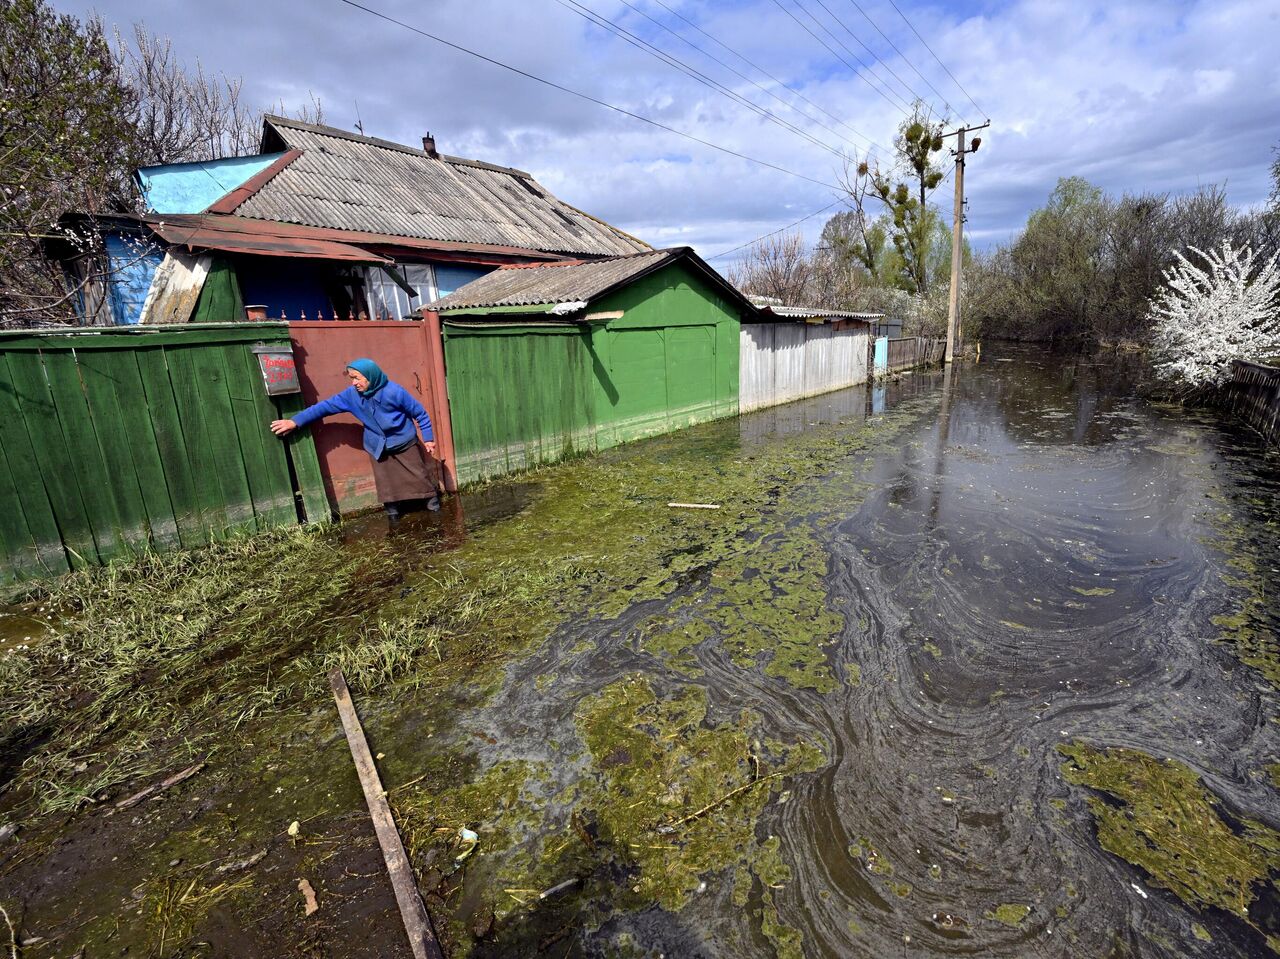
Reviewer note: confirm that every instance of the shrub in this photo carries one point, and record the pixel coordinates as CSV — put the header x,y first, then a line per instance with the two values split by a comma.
x,y
1204,317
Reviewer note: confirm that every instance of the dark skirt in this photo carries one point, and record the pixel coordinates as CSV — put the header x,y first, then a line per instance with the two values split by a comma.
x,y
403,475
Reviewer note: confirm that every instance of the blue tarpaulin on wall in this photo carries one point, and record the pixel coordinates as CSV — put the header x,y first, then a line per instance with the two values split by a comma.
x,y
450,277
131,263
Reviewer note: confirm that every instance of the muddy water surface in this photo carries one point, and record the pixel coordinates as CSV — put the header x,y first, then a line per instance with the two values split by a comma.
x,y
1034,559
981,663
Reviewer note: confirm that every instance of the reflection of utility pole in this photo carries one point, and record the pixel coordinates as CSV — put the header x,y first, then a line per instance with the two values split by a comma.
x,y
957,234
940,452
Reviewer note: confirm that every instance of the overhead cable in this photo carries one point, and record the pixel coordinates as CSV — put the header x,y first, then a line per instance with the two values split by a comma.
x,y
870,68
894,73
742,76
905,58
762,70
935,56
675,62
584,96
765,236
899,105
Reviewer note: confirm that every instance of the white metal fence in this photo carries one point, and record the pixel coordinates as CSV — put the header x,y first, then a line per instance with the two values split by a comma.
x,y
781,362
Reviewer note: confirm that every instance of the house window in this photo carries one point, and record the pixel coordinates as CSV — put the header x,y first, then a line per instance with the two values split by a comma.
x,y
388,299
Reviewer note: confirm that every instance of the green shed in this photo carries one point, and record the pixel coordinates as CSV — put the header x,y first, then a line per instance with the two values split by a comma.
x,y
551,359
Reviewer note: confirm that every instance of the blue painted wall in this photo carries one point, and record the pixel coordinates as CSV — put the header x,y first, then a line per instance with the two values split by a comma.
x,y
283,285
131,263
192,187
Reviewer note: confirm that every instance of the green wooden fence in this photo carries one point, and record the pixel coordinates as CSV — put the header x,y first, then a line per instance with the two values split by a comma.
x,y
115,442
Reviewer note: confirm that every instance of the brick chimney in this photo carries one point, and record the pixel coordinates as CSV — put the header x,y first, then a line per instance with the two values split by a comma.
x,y
429,145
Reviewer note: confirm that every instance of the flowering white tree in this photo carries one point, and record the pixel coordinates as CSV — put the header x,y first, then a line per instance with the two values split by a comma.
x,y
1203,318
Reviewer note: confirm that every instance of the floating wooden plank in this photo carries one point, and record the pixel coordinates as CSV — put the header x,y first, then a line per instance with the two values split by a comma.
x,y
160,787
416,921
694,505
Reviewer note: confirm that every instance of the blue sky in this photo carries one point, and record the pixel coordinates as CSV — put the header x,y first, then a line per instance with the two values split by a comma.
x,y
1155,96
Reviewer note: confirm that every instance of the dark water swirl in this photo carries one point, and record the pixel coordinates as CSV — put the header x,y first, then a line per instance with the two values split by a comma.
x,y
1039,559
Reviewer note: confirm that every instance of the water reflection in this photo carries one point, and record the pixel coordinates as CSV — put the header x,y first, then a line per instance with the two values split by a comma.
x,y
1040,557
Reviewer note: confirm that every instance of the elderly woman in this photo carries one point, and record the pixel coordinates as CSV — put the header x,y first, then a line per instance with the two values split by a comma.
x,y
388,412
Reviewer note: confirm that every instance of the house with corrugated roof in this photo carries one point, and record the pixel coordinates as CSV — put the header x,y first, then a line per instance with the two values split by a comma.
x,y
549,359
323,223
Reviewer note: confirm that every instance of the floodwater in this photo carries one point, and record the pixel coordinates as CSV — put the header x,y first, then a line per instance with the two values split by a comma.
x,y
1036,557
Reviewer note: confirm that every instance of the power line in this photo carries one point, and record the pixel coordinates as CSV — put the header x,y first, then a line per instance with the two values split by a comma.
x,y
905,58
900,105
935,56
736,72
675,62
866,66
583,96
766,73
844,26
765,236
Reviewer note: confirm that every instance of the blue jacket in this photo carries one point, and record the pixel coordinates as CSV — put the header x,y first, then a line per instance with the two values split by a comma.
x,y
388,416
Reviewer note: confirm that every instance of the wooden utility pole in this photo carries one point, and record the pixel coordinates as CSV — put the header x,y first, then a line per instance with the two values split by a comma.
x,y
957,235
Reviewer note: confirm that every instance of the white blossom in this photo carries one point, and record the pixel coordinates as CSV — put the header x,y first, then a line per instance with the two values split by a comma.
x,y
1203,318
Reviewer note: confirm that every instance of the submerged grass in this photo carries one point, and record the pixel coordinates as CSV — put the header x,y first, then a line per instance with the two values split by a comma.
x,y
144,654
153,663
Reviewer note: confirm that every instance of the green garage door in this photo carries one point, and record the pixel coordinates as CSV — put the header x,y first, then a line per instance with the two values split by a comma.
x,y
691,374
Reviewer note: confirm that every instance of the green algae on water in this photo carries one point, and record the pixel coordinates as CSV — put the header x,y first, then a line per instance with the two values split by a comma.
x,y
1159,816
1010,913
1249,627
677,799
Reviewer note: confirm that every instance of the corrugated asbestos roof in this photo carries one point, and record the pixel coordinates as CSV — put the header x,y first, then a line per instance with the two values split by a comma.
x,y
348,182
576,282
771,304
817,312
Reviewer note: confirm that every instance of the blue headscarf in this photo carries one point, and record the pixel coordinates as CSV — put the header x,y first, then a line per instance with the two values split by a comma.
x,y
372,372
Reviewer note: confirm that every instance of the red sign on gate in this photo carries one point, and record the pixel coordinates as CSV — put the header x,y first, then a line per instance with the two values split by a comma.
x,y
279,372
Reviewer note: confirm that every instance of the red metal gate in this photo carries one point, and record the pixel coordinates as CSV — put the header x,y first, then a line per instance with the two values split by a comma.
x,y
409,352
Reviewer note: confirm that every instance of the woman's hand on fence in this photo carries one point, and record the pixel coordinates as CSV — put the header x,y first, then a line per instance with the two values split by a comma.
x,y
430,447
283,427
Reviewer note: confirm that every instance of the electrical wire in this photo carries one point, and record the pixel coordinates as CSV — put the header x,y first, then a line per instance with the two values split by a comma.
x,y
765,236
870,68
899,105
740,75
675,62
583,96
981,112
762,70
905,58
894,73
